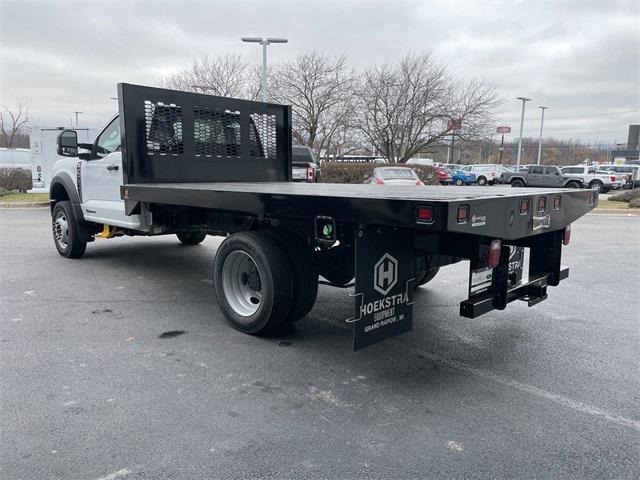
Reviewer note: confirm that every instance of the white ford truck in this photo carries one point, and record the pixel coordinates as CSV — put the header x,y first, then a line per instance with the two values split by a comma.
x,y
195,165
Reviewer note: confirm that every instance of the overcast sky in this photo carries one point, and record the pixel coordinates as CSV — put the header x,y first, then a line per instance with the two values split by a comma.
x,y
579,58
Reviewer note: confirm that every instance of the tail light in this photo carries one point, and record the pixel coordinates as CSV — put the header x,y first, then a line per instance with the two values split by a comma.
x,y
425,214
379,181
556,203
524,206
310,174
613,178
418,182
463,213
494,253
542,204
566,236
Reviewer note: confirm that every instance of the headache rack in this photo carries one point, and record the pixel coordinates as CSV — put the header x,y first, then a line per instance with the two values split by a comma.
x,y
173,136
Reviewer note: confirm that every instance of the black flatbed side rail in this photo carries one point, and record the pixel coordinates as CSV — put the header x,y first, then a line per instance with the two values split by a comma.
x,y
497,215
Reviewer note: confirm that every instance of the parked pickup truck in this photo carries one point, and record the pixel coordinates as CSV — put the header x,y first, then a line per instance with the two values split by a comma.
x,y
194,165
591,178
305,166
541,176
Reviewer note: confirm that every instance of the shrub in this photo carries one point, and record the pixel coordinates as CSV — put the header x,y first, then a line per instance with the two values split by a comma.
x,y
338,172
626,196
635,203
15,179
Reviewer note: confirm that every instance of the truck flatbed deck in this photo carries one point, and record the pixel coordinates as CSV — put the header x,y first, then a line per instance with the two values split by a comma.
x,y
391,205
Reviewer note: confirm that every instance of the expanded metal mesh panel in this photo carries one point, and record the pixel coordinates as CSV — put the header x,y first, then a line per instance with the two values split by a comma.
x,y
216,133
173,136
265,127
163,128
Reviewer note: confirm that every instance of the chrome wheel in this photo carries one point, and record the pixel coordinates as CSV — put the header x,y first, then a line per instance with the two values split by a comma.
x,y
61,230
241,283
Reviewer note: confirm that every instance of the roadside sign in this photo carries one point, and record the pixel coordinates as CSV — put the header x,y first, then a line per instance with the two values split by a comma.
x,y
454,124
503,130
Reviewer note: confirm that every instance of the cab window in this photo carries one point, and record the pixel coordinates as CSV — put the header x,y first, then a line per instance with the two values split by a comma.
x,y
109,140
535,170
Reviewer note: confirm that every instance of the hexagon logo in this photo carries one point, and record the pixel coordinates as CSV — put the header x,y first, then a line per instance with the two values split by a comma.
x,y
385,274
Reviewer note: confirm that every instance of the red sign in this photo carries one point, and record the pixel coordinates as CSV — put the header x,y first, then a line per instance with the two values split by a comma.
x,y
503,129
454,124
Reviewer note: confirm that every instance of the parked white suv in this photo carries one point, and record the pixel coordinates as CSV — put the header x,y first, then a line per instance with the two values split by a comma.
x,y
591,178
487,173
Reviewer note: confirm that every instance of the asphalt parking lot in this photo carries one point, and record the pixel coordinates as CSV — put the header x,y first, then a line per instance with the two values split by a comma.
x,y
120,365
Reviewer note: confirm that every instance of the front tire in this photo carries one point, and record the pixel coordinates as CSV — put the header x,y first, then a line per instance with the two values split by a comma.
x,y
596,185
253,282
66,231
459,182
482,181
191,238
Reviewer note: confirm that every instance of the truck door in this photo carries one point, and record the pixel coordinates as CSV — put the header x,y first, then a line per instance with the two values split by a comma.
x,y
552,177
535,177
101,178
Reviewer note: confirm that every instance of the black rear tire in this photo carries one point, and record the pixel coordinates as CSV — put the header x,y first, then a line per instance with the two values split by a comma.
x,y
573,185
425,276
517,183
273,283
305,275
66,231
191,238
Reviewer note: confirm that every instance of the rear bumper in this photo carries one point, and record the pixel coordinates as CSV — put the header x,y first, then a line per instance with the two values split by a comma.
x,y
532,290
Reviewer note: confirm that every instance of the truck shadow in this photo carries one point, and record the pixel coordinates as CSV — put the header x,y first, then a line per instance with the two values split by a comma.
x,y
438,331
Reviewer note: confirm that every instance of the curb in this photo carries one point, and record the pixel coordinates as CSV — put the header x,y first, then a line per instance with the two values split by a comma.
x,y
23,204
620,211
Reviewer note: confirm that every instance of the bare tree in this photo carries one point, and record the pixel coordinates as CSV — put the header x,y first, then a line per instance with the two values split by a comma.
x,y
12,123
224,75
320,90
407,106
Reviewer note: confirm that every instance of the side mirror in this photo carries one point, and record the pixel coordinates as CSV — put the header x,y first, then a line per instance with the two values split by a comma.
x,y
67,143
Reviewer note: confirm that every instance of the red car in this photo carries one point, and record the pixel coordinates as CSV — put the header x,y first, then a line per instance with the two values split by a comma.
x,y
444,177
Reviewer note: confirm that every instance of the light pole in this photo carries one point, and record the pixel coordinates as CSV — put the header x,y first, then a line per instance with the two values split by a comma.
x,y
264,42
540,139
524,101
76,114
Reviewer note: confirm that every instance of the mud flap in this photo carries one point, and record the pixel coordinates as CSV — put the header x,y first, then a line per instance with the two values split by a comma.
x,y
384,285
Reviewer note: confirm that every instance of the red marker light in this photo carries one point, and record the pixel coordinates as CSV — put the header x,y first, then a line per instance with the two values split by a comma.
x,y
425,214
379,181
494,253
463,213
542,204
418,182
566,237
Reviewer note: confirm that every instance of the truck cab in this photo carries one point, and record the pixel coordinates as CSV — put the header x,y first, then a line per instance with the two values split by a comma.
x,y
90,175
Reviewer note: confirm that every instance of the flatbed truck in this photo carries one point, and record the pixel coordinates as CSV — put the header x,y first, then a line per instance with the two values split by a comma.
x,y
195,165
